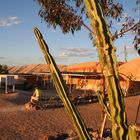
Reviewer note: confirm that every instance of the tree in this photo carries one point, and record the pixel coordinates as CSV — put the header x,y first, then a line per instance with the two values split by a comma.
x,y
0,68
56,12
3,69
70,15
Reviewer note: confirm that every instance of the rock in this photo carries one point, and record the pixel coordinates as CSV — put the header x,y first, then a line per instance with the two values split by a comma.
x,y
30,106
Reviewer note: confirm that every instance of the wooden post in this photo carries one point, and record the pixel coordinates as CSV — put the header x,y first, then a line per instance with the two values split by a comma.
x,y
102,126
6,83
70,85
13,88
125,54
85,86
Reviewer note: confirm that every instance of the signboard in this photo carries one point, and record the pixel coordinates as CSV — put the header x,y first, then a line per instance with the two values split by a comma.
x,y
10,80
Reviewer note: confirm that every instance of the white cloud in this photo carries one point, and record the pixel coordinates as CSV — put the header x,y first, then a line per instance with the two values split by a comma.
x,y
12,18
131,50
75,52
1,57
75,55
9,21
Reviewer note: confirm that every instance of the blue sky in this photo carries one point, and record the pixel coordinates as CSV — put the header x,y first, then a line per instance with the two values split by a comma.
x,y
18,45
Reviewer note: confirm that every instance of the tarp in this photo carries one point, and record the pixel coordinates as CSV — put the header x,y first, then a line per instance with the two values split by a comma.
x,y
131,69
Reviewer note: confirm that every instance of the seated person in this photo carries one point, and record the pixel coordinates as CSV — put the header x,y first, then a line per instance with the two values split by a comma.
x,y
36,97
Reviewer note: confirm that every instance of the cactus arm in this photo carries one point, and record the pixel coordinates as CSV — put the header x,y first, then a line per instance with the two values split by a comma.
x,y
132,133
62,90
107,57
105,108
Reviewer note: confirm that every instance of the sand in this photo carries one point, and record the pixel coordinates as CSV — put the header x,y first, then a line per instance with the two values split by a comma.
x,y
17,123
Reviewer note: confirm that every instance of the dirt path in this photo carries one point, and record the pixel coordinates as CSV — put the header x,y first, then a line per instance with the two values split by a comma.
x,y
18,124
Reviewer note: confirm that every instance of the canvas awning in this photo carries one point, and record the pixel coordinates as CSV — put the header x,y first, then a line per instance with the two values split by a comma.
x,y
130,70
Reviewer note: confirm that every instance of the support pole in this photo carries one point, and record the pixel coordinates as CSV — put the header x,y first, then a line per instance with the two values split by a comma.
x,y
13,88
85,86
70,85
6,88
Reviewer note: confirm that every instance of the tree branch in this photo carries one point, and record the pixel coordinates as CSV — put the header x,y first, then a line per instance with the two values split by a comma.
x,y
122,32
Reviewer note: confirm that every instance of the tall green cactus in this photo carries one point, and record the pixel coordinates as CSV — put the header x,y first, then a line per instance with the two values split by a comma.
x,y
62,89
107,57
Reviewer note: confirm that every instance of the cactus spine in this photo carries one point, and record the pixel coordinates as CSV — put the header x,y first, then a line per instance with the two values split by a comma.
x,y
106,52
62,89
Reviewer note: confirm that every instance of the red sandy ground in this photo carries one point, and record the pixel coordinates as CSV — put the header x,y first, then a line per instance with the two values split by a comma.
x,y
16,123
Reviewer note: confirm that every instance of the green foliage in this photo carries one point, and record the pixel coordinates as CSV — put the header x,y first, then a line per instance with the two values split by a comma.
x,y
60,13
3,69
132,133
70,15
62,89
